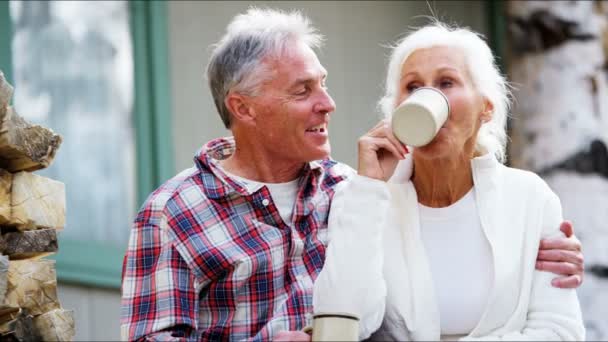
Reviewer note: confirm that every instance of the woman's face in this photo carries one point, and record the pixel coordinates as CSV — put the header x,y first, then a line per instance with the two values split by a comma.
x,y
445,68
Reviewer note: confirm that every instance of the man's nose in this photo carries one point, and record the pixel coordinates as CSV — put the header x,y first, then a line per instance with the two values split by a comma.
x,y
325,104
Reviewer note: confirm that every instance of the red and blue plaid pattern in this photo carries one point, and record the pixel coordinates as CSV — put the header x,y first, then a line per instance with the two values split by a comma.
x,y
208,260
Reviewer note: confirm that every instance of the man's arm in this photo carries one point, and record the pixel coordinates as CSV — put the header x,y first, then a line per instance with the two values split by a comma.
x,y
562,256
159,297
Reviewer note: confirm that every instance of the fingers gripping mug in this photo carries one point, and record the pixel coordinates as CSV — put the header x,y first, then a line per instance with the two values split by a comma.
x,y
335,326
417,120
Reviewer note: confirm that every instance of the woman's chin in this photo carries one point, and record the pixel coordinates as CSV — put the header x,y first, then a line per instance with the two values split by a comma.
x,y
437,148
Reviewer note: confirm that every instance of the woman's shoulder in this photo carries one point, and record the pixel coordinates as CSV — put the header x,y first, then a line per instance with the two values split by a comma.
x,y
524,180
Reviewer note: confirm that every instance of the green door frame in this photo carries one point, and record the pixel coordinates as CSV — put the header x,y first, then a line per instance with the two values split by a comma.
x,y
95,263
6,33
497,26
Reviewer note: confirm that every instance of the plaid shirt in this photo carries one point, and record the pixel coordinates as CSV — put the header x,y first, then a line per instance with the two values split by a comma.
x,y
209,260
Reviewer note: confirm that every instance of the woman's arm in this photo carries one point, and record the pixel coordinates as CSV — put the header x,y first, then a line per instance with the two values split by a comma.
x,y
351,280
553,313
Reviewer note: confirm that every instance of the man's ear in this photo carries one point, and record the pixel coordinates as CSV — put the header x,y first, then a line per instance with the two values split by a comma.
x,y
240,107
488,110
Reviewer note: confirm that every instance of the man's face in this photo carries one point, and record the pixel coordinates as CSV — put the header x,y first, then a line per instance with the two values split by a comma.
x,y
292,109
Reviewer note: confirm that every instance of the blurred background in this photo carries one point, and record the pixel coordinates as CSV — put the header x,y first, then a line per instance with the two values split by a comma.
x,y
123,82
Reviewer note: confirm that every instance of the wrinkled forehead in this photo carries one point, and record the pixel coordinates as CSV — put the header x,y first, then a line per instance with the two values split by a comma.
x,y
435,58
295,61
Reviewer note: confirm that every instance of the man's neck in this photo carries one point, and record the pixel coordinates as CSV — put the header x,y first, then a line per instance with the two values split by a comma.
x,y
440,183
258,165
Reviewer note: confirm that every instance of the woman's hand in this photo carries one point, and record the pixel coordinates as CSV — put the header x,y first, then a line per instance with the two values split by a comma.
x,y
563,256
379,152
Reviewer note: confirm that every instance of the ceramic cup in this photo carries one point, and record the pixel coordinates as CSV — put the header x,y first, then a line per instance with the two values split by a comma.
x,y
416,121
335,326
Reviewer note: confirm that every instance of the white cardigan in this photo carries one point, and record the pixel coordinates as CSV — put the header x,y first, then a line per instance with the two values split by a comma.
x,y
376,265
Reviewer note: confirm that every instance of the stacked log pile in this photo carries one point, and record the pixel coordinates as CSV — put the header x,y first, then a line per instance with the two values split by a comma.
x,y
32,210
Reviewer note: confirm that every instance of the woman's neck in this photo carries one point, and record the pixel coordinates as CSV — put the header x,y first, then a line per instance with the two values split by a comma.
x,y
441,182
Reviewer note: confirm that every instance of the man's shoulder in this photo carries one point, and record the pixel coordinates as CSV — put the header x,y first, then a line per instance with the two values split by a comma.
x,y
336,171
182,185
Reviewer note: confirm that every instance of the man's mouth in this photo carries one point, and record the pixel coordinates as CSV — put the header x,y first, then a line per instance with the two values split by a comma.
x,y
318,129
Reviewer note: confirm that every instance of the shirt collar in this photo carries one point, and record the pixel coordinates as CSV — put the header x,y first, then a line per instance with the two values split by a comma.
x,y
207,161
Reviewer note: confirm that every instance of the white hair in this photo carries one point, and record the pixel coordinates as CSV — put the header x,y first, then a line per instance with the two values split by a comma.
x,y
486,77
237,60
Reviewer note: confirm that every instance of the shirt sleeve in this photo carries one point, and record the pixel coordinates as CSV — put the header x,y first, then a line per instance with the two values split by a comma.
x,y
554,314
159,290
351,280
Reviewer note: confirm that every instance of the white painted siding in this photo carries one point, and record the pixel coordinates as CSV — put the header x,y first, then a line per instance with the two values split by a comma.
x,y
96,311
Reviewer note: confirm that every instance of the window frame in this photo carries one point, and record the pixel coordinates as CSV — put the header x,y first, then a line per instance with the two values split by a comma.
x,y
95,263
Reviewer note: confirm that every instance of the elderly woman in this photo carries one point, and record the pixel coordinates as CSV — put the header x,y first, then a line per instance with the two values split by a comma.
x,y
445,249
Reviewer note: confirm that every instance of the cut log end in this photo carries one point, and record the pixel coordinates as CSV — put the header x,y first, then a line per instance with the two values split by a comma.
x,y
55,325
23,146
32,285
6,92
30,244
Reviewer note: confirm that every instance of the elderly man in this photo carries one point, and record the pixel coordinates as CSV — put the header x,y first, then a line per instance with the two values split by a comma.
x,y
229,249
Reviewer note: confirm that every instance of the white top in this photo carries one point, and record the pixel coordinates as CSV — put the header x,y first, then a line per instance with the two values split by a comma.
x,y
460,260
376,265
283,194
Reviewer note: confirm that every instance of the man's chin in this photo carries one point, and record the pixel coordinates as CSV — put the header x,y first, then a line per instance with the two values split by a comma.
x,y
319,154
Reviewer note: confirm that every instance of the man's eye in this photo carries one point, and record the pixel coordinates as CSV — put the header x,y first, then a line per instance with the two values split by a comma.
x,y
302,91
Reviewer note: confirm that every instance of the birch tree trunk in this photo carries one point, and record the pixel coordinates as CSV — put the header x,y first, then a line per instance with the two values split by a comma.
x,y
558,65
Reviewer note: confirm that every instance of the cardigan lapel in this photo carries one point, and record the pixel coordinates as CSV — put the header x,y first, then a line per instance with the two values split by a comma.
x,y
422,315
486,172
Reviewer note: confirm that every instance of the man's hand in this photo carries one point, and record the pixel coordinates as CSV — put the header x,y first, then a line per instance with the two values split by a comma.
x,y
379,152
562,256
296,336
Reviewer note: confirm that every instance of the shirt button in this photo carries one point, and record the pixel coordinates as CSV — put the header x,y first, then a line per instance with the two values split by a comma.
x,y
265,202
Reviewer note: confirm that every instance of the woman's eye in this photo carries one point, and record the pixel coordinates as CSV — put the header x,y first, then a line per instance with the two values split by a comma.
x,y
446,83
411,87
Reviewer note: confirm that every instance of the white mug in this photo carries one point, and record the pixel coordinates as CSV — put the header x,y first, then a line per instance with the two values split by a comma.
x,y
334,326
416,121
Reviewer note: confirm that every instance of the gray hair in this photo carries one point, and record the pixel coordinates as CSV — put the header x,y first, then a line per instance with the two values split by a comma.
x,y
237,60
487,79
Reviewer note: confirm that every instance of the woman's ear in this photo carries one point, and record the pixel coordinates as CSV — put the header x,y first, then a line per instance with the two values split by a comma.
x,y
488,111
240,107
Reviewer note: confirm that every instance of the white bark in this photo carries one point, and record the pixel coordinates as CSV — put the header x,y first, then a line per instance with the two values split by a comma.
x,y
556,112
561,106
